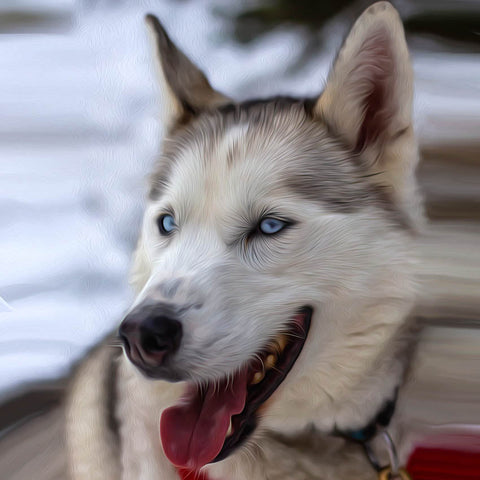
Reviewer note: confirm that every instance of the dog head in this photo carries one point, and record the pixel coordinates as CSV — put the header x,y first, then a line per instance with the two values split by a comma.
x,y
273,268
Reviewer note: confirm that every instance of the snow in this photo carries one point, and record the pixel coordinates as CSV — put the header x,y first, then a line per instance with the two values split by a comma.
x,y
78,134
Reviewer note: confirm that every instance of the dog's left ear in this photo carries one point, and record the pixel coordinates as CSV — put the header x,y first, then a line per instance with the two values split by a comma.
x,y
185,87
367,100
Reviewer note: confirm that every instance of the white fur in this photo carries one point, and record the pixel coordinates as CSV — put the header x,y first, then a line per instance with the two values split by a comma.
x,y
354,269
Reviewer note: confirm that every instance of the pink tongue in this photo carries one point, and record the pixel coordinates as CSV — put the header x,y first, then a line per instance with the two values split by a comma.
x,y
193,432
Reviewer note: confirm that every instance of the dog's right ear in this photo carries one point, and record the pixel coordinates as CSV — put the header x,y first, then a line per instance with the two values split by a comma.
x,y
185,87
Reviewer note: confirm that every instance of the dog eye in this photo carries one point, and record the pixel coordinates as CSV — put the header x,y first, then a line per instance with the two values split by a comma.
x,y
269,226
166,224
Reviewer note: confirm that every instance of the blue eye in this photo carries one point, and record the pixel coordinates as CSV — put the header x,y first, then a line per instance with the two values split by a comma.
x,y
269,226
166,224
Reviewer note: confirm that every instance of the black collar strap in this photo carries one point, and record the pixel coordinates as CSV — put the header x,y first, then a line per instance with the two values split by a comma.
x,y
365,434
382,419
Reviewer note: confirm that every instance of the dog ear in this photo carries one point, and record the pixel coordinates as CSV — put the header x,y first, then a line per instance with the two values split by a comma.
x,y
368,96
368,100
185,87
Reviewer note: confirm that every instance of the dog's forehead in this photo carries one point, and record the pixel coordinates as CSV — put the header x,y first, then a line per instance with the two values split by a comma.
x,y
241,148
258,150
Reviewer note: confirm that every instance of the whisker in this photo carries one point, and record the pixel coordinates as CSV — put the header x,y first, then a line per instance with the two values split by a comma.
x,y
292,335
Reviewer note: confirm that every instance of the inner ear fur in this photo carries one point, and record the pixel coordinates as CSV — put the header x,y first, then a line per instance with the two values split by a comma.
x,y
368,96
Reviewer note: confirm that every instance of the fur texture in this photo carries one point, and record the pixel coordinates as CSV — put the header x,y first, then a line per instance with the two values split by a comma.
x,y
340,169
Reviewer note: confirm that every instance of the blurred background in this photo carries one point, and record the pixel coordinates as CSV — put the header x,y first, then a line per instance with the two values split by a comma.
x,y
79,133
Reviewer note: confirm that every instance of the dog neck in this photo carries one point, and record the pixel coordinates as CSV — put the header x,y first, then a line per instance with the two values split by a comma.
x,y
307,454
366,433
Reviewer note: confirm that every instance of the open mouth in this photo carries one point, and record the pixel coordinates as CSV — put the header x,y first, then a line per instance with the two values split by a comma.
x,y
210,422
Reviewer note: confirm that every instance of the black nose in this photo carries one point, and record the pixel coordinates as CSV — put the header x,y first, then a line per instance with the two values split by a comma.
x,y
160,335
150,335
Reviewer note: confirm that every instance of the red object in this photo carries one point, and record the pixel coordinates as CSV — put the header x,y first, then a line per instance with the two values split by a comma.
x,y
442,463
425,463
190,475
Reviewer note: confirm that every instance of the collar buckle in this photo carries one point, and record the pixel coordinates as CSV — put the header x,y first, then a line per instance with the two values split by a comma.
x,y
393,470
386,474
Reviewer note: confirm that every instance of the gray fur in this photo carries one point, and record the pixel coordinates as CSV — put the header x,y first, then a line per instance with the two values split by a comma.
x,y
187,82
320,168
343,177
170,287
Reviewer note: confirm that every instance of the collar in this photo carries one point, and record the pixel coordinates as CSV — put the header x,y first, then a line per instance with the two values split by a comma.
x,y
366,433
377,426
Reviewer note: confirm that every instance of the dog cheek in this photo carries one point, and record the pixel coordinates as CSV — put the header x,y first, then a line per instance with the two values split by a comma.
x,y
140,270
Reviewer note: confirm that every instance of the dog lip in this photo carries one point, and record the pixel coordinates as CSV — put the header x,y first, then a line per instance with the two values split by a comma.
x,y
245,423
166,373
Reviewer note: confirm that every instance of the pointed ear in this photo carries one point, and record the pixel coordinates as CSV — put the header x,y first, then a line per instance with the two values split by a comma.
x,y
368,95
185,88
368,99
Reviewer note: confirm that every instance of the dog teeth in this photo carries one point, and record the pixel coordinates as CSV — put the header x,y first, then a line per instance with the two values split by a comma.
x,y
230,429
282,341
270,361
258,377
278,345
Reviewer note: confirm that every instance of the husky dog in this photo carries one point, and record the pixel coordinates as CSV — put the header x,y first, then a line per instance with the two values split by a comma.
x,y
274,279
